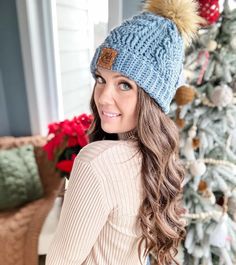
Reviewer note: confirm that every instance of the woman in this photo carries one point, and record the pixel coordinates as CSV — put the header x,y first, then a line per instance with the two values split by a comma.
x,y
124,194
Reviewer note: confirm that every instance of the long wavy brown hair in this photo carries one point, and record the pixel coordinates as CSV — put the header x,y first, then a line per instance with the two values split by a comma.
x,y
162,175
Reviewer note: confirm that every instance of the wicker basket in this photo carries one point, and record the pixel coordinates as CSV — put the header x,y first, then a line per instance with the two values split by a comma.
x,y
20,228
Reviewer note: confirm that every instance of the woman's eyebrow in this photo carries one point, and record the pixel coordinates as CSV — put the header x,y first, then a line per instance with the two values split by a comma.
x,y
119,75
115,76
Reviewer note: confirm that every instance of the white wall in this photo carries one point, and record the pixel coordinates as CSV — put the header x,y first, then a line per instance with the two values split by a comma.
x,y
75,43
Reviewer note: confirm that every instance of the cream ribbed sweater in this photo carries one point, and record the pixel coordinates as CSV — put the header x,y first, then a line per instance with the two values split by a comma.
x,y
98,223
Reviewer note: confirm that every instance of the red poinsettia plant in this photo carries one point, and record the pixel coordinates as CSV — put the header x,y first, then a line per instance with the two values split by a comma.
x,y
65,139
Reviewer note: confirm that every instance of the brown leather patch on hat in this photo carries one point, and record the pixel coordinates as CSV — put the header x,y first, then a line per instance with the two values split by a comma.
x,y
106,58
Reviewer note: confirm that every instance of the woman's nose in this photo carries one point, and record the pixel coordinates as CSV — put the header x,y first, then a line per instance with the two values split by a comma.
x,y
106,95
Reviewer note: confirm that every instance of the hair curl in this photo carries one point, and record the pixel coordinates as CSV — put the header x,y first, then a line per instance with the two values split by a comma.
x,y
162,175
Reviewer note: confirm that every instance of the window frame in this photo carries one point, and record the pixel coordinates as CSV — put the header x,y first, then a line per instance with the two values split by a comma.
x,y
38,36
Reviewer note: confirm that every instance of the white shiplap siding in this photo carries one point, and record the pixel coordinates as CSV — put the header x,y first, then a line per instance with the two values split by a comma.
x,y
75,35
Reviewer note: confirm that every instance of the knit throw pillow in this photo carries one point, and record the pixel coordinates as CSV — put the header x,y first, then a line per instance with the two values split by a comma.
x,y
19,178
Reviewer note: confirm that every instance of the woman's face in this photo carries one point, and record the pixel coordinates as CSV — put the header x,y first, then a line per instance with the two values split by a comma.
x,y
116,100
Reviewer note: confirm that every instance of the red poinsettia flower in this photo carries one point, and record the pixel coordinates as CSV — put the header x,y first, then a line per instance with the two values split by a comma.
x,y
73,141
65,165
65,139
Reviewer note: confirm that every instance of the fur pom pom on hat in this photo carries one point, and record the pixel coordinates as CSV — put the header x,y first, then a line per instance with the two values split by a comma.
x,y
184,13
149,48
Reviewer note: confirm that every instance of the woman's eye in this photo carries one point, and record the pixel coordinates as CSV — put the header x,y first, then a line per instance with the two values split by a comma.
x,y
125,86
99,79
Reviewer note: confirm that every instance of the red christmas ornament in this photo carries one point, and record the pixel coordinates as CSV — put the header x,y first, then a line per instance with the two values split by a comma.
x,y
210,10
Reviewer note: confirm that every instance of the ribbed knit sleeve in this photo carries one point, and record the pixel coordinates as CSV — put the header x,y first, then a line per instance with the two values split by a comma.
x,y
85,211
99,222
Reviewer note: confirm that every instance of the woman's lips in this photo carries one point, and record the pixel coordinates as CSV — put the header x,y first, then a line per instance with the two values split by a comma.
x,y
110,114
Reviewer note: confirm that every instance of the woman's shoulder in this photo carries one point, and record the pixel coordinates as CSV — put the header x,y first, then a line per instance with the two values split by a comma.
x,y
107,149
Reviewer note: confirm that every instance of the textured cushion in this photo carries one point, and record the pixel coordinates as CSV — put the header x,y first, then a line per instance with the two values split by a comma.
x,y
19,178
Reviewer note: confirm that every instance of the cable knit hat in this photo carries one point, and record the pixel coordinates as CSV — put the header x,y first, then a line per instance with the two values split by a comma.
x,y
149,48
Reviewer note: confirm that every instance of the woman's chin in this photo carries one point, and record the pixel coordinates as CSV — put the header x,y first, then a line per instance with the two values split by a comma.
x,y
109,129
115,129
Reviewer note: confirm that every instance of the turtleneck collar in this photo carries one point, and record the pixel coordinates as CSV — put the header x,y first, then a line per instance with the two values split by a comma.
x,y
130,135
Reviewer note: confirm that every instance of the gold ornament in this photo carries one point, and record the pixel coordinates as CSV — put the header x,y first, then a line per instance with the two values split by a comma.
x,y
202,186
196,143
184,95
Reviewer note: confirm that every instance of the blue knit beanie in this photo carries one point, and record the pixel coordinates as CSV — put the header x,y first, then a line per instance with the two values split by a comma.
x,y
149,48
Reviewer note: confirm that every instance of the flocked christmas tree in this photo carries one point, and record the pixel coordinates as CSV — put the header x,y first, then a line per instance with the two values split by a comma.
x,y
205,112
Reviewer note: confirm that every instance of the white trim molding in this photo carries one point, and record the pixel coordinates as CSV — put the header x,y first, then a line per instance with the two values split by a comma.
x,y
38,35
